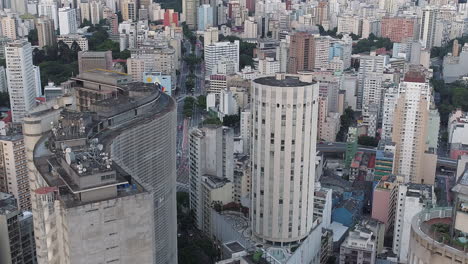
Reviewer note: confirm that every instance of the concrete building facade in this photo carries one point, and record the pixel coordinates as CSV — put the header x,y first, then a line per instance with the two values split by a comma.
x,y
284,132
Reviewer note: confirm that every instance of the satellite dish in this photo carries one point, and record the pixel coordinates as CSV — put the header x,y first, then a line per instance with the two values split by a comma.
x,y
69,156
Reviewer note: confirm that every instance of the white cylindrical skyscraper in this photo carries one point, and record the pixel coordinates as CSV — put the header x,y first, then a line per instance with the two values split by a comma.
x,y
284,131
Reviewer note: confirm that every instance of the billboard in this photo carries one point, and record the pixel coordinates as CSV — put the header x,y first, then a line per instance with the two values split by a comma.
x,y
159,78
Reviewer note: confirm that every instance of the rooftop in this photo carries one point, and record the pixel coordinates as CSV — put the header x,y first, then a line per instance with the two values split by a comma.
x,y
234,247
287,81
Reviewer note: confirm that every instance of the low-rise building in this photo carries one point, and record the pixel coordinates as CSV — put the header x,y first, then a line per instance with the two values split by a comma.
x,y
359,247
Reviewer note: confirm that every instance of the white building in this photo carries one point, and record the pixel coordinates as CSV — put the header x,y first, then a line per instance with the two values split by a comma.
x,y
283,147
67,21
21,78
210,36
80,40
369,64
3,80
268,66
49,9
95,10
214,52
412,199
359,247
250,28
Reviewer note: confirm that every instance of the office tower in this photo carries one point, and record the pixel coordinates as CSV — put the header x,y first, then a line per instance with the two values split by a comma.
x,y
95,10
428,27
400,29
9,27
106,189
85,12
67,21
411,199
20,75
216,51
301,52
372,89
205,17
410,124
190,10
49,9
16,234
211,156
13,170
89,60
46,32
283,150
129,10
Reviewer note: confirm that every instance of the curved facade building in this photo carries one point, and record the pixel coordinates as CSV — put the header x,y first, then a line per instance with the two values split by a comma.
x,y
423,248
135,124
284,132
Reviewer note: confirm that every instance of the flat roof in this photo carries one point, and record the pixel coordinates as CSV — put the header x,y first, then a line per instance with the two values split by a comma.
x,y
234,246
288,81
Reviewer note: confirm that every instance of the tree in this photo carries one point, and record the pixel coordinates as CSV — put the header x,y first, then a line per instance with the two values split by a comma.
x,y
231,120
33,37
38,56
190,84
213,121
75,48
368,141
4,99
201,102
125,54
86,23
64,53
246,60
346,120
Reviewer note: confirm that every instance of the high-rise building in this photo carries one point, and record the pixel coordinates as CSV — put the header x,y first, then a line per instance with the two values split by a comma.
x,y
9,27
211,156
190,10
95,9
428,27
410,200
46,32
410,124
389,101
210,36
301,52
82,41
13,170
49,9
360,247
67,21
283,151
20,75
216,51
400,29
129,10
90,60
85,12
106,190
16,233
368,64
205,17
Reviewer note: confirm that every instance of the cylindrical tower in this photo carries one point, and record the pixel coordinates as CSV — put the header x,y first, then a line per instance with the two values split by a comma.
x,y
284,131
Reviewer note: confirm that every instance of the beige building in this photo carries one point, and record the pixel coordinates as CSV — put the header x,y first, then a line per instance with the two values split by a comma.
x,y
9,27
45,32
129,10
94,177
410,124
13,170
90,60
283,146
